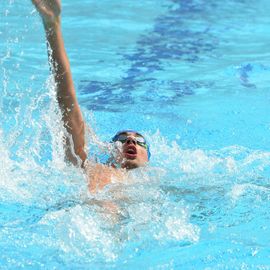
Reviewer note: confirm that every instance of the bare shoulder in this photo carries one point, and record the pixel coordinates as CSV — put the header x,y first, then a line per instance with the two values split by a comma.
x,y
99,175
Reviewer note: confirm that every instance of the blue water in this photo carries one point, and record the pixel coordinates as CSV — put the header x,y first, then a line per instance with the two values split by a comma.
x,y
191,75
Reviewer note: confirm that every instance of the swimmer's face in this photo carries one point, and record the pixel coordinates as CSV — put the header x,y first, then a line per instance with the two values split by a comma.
x,y
133,153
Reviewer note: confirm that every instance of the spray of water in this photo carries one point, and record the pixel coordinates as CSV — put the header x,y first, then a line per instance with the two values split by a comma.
x,y
153,206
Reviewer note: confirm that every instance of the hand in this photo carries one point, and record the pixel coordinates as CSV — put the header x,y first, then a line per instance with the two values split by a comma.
x,y
49,10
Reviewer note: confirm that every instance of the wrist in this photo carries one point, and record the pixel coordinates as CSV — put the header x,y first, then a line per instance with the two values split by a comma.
x,y
52,24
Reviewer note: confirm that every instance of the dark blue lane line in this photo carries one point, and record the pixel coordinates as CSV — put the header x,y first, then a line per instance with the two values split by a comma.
x,y
169,40
18,215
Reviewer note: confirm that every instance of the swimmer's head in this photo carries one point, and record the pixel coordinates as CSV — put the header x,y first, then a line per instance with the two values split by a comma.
x,y
134,149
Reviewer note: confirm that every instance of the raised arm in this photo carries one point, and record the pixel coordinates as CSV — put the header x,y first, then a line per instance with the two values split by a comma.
x,y
49,11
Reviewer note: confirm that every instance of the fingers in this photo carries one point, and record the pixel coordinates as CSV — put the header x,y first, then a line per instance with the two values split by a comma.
x,y
48,9
37,2
52,5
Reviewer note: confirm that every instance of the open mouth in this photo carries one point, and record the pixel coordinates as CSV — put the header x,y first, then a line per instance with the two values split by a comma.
x,y
130,152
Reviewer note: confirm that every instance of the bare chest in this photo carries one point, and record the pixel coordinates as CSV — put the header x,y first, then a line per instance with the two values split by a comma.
x,y
102,175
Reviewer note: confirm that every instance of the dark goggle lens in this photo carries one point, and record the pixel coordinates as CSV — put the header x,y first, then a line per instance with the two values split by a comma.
x,y
139,139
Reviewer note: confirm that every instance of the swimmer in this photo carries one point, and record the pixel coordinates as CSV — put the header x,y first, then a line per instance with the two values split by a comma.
x,y
134,148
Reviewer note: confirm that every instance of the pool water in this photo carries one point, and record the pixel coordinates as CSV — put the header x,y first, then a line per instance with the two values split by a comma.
x,y
193,76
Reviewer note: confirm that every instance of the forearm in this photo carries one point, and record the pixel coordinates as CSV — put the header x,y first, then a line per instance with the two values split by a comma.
x,y
66,96
59,64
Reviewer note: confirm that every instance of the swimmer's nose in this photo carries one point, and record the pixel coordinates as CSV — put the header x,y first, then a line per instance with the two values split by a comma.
x,y
131,140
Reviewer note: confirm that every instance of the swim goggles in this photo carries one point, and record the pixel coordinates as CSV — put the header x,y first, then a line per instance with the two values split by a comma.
x,y
122,137
138,138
